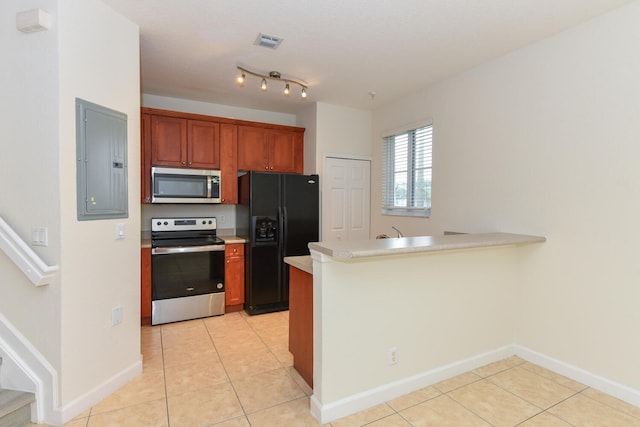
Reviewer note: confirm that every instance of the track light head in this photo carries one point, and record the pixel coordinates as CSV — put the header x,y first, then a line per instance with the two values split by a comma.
x,y
242,78
263,86
286,90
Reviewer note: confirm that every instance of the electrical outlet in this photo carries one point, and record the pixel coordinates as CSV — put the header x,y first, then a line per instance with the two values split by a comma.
x,y
116,315
222,218
392,356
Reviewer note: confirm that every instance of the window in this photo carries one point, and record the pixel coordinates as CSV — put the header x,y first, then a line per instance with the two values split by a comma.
x,y
406,187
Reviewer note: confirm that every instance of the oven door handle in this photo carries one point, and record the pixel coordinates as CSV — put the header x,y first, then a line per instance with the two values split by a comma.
x,y
187,249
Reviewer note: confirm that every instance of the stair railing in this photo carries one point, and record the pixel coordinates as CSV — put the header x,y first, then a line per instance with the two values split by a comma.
x,y
24,257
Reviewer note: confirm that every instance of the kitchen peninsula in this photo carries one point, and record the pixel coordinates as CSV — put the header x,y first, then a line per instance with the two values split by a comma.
x,y
391,316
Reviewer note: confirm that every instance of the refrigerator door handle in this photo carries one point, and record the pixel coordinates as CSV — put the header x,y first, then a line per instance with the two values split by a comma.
x,y
283,231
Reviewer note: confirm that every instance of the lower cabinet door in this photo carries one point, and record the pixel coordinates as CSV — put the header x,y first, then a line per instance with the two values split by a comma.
x,y
234,274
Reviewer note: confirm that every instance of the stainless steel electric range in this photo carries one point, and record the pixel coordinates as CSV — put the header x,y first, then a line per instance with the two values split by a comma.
x,y
187,269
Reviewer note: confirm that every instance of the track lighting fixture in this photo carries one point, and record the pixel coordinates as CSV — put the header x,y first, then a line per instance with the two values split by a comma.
x,y
273,75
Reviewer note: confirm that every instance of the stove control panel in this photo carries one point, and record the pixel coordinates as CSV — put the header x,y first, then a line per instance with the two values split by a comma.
x,y
187,224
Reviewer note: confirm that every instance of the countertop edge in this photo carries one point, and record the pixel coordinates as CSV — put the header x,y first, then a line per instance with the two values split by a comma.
x,y
303,262
421,244
230,240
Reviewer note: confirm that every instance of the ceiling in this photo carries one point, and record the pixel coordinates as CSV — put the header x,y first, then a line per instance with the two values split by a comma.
x,y
345,50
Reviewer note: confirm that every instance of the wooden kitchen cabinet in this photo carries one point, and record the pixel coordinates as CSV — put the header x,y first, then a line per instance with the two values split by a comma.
x,y
270,150
178,139
145,286
229,163
234,277
180,142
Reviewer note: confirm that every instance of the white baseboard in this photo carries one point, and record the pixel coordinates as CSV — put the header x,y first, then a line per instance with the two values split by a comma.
x,y
98,393
597,382
326,413
366,399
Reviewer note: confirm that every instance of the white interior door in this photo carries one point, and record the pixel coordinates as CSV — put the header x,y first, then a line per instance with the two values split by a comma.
x,y
346,196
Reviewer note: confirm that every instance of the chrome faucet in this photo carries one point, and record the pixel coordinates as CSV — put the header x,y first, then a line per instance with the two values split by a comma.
x,y
399,232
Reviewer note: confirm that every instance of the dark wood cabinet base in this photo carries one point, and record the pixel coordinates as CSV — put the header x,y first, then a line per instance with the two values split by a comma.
x,y
301,322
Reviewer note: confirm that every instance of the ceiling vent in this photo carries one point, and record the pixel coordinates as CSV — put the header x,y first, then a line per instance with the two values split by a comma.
x,y
265,40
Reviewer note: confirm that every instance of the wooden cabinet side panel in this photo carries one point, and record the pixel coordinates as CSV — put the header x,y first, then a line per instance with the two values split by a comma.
x,y
203,144
253,153
168,141
301,322
145,286
145,158
229,163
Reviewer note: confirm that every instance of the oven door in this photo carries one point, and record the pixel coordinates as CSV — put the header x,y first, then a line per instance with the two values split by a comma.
x,y
187,283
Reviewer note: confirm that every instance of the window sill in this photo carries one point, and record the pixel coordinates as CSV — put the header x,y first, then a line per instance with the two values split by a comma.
x,y
420,213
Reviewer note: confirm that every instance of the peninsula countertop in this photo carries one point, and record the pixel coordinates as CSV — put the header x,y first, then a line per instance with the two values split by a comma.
x,y
344,250
302,262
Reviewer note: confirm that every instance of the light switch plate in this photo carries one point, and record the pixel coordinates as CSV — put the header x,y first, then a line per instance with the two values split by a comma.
x,y
116,315
119,231
39,236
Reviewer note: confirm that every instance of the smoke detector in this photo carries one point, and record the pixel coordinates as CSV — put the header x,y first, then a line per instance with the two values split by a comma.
x,y
33,20
265,40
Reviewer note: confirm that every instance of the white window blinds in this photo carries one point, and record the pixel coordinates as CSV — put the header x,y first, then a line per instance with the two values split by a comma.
x,y
407,162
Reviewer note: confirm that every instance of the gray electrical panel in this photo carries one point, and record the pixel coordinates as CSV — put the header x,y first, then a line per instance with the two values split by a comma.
x,y
101,172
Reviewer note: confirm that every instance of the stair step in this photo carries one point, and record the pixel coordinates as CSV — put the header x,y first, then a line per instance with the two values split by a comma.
x,y
15,407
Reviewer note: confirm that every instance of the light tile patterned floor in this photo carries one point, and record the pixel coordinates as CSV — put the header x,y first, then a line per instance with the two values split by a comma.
x,y
235,370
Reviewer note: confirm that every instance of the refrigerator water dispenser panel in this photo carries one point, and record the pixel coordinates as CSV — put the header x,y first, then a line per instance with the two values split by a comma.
x,y
266,229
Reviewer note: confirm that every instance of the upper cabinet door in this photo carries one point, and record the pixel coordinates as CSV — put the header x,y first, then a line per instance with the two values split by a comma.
x,y
203,145
285,151
168,141
229,163
253,152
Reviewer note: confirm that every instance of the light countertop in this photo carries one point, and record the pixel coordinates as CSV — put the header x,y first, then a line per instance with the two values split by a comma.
x,y
304,262
229,240
412,245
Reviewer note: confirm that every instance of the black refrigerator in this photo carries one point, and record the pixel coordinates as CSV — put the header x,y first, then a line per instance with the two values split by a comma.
x,y
278,214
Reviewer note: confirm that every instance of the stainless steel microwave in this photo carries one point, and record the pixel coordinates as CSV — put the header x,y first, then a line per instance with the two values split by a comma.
x,y
181,185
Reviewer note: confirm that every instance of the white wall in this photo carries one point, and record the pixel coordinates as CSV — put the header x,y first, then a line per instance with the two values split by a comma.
x,y
218,110
308,119
343,131
29,171
545,141
442,320
90,53
99,62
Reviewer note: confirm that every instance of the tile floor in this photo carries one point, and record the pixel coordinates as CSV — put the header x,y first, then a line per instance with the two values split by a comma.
x,y
235,370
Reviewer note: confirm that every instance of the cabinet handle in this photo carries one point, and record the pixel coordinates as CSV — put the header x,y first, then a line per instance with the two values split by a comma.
x,y
184,163
190,163
235,250
266,167
228,261
271,167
